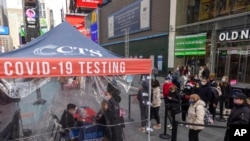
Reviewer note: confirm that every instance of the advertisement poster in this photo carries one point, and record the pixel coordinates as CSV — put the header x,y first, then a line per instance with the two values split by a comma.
x,y
134,17
4,26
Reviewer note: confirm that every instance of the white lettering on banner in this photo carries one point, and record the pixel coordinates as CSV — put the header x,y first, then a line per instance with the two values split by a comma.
x,y
95,67
49,50
19,68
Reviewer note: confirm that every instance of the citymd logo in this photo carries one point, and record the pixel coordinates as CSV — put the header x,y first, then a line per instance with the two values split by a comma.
x,y
50,50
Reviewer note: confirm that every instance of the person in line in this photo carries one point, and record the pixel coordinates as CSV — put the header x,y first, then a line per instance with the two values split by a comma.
x,y
166,86
214,95
142,97
113,113
68,121
173,104
188,90
196,113
225,100
240,114
156,103
204,90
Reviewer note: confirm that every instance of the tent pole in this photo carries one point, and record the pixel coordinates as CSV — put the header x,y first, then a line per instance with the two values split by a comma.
x,y
149,129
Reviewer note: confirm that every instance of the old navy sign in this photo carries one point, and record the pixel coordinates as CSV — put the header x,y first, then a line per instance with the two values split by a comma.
x,y
234,35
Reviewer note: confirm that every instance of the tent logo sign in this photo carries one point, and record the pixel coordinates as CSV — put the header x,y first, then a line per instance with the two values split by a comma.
x,y
50,50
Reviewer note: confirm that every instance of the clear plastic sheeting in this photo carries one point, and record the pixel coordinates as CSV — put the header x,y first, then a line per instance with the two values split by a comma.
x,y
38,120
21,89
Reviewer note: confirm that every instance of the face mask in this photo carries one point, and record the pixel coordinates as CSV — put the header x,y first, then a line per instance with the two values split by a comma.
x,y
223,80
167,81
172,91
191,101
203,83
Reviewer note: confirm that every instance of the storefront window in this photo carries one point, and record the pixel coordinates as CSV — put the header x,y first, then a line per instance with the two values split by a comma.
x,y
191,11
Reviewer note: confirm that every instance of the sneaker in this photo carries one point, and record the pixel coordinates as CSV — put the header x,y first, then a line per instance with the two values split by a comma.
x,y
169,125
158,126
142,129
170,128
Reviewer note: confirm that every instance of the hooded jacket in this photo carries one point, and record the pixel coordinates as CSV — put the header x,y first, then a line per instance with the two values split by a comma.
x,y
196,114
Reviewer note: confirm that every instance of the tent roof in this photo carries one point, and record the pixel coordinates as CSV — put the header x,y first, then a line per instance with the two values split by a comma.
x,y
64,51
64,41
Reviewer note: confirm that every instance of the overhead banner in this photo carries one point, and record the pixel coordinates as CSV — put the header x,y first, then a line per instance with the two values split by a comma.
x,y
132,18
88,3
38,67
190,44
4,26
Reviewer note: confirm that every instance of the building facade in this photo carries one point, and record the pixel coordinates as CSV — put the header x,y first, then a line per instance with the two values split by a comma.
x,y
136,28
214,33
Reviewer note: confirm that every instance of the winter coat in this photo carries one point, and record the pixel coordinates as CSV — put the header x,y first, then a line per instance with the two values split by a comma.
x,y
205,92
113,118
174,103
240,115
156,97
67,120
142,94
166,87
196,113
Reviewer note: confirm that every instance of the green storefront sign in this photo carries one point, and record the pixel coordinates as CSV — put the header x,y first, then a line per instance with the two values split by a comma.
x,y
190,45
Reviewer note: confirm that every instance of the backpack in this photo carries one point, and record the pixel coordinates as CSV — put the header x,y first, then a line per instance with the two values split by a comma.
x,y
208,117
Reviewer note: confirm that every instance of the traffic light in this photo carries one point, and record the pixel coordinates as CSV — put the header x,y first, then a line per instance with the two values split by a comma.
x,y
31,18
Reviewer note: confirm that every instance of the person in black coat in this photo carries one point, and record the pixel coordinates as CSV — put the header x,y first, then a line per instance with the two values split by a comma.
x,y
113,114
204,90
240,114
142,97
173,103
67,119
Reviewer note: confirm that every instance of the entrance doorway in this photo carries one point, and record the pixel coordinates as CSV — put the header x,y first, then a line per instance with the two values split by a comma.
x,y
235,63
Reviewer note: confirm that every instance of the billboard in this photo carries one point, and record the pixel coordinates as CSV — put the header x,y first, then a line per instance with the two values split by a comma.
x,y
92,25
190,44
133,18
4,25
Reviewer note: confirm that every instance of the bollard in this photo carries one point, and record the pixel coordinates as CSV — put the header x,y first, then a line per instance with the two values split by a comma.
x,y
164,135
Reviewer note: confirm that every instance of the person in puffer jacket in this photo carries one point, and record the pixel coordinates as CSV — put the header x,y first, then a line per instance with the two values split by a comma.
x,y
156,103
196,113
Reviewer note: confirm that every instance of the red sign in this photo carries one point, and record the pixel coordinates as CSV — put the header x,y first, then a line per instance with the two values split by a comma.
x,y
88,3
79,23
34,67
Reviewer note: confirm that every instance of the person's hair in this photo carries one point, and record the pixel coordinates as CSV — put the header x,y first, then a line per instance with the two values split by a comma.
x,y
173,88
212,76
155,83
195,97
104,102
71,106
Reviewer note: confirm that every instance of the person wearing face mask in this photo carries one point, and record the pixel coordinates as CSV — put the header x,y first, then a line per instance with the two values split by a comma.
x,y
112,114
240,114
166,86
205,91
173,101
188,90
196,113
